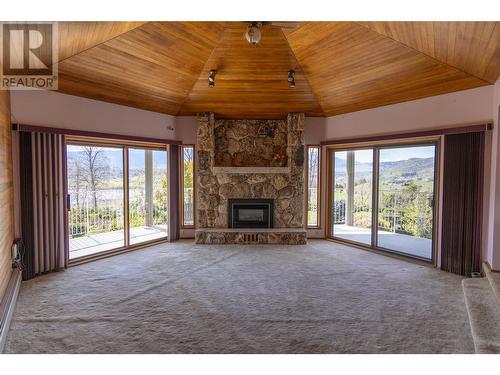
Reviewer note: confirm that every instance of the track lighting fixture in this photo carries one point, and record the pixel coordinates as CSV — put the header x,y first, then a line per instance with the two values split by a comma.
x,y
211,78
291,79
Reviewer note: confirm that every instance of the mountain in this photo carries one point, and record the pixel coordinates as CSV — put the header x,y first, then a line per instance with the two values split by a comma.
x,y
421,168
114,158
361,168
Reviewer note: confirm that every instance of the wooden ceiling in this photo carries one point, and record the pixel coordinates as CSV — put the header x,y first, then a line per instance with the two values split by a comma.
x,y
251,80
339,67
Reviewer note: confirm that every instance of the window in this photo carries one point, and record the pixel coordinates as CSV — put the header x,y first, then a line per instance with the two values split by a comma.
x,y
117,195
313,160
187,191
352,195
96,191
147,194
383,197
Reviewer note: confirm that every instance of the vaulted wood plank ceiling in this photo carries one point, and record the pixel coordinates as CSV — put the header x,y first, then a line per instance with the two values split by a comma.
x,y
339,67
76,37
152,67
251,80
469,46
351,68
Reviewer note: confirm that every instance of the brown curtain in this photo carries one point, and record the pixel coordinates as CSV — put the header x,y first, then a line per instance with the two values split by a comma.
x,y
43,202
462,203
26,176
174,181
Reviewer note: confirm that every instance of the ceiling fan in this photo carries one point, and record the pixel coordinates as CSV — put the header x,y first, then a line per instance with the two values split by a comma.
x,y
253,33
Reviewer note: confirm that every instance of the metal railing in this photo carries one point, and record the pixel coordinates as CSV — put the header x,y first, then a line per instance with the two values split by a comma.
x,y
101,211
312,206
188,206
394,211
95,211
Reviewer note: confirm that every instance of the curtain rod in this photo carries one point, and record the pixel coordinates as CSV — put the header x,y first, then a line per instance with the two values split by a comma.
x,y
423,133
85,133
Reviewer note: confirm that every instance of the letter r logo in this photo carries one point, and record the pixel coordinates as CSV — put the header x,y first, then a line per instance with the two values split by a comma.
x,y
27,49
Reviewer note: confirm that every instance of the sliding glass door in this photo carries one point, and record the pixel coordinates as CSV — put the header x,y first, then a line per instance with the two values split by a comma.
x,y
352,196
406,180
95,197
117,195
147,194
383,197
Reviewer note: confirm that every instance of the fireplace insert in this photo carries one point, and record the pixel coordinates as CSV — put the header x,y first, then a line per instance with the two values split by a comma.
x,y
250,213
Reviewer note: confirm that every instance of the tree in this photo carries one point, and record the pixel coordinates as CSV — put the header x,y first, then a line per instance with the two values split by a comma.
x,y
76,179
313,168
188,167
94,163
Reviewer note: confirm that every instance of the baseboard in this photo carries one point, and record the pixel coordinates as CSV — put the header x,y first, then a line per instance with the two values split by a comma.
x,y
487,264
8,305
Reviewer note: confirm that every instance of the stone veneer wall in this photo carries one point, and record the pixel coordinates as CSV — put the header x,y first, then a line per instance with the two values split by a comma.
x,y
238,144
214,188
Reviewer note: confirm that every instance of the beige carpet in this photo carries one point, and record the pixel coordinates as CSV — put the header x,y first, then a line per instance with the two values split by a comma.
x,y
185,298
484,315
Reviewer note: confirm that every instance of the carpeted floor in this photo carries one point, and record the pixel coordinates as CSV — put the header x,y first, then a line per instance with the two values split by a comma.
x,y
186,298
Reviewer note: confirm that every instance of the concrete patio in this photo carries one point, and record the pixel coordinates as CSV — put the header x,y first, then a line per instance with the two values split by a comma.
x,y
99,242
421,247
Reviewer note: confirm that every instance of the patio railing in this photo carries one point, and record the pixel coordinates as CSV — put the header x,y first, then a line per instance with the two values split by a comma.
x,y
188,206
102,211
95,211
399,211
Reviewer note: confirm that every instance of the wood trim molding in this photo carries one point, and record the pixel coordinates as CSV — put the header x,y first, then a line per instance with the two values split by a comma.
x,y
7,305
424,133
85,133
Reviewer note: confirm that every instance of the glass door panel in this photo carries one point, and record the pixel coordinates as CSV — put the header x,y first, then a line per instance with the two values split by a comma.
x,y
406,199
95,196
352,195
148,194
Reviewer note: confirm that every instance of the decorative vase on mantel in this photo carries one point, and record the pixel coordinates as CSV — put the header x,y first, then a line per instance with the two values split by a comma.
x,y
279,160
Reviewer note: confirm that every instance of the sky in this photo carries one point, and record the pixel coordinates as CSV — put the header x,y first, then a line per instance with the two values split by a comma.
x,y
136,157
392,154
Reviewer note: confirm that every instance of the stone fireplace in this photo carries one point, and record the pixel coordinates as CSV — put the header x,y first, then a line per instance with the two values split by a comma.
x,y
250,160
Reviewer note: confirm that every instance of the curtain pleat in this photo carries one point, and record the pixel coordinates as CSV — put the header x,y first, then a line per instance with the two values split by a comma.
x,y
45,234
462,203
174,181
27,226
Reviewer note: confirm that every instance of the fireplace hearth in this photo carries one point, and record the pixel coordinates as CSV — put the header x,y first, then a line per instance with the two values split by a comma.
x,y
250,213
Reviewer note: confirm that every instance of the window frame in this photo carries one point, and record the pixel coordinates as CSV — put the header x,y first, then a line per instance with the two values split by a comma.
x,y
124,145
377,146
318,225
181,186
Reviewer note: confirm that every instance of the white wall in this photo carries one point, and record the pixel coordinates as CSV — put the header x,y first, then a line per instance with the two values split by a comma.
x,y
493,242
460,108
52,109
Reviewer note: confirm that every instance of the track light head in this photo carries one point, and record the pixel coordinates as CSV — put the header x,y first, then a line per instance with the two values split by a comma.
x,y
211,78
291,78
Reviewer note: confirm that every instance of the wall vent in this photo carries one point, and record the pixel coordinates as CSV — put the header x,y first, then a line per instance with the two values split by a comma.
x,y
251,237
